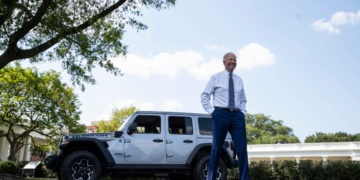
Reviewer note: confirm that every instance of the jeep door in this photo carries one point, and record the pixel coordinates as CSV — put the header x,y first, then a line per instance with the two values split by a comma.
x,y
180,138
146,144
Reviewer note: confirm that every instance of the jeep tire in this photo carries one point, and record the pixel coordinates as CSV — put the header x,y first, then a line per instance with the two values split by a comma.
x,y
82,165
201,165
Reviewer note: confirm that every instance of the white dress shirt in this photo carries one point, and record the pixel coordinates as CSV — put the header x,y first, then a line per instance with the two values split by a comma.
x,y
218,87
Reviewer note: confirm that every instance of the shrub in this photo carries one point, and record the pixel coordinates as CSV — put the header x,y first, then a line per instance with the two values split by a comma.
x,y
353,168
261,170
343,170
50,173
285,169
20,165
233,174
8,167
335,169
311,170
43,172
305,170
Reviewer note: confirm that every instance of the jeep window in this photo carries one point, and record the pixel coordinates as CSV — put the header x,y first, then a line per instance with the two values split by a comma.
x,y
180,125
205,126
148,124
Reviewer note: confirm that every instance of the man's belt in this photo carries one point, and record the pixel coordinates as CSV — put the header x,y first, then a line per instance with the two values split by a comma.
x,y
227,109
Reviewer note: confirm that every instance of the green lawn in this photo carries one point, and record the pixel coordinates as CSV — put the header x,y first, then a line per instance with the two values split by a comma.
x,y
103,178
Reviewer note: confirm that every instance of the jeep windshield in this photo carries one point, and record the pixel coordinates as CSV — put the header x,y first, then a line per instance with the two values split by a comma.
x,y
123,124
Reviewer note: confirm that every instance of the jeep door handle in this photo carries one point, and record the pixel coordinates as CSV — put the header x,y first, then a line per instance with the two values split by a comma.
x,y
169,155
127,155
188,141
157,140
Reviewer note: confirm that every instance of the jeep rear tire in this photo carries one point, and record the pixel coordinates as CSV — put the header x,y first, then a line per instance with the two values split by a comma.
x,y
81,165
201,165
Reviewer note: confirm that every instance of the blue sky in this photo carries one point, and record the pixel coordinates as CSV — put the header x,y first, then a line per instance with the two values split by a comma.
x,y
299,61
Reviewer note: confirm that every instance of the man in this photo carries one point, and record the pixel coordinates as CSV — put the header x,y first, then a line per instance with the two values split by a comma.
x,y
228,115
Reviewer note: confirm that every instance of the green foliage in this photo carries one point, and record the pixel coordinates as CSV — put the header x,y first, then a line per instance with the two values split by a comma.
x,y
81,34
332,137
233,173
8,167
305,170
41,171
260,170
35,102
13,168
261,129
39,150
20,165
128,178
285,169
116,120
53,143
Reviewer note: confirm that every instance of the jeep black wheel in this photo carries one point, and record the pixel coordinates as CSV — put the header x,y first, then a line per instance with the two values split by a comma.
x,y
201,166
81,165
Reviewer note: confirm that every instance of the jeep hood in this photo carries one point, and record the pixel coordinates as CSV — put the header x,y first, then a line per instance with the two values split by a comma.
x,y
90,135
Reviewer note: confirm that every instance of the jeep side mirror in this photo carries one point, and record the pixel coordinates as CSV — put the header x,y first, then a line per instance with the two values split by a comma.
x,y
132,128
118,134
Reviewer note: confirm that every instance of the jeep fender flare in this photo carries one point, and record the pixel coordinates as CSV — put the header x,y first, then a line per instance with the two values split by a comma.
x,y
96,146
198,148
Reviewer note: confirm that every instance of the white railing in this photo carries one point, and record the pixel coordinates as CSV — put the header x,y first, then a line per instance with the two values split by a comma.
x,y
301,150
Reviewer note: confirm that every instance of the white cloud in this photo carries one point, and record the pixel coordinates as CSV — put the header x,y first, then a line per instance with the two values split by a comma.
x,y
169,65
145,106
337,19
321,25
254,55
171,105
190,62
204,70
165,105
104,116
341,18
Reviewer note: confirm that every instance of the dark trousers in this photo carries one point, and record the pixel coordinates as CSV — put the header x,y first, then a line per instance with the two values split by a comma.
x,y
234,122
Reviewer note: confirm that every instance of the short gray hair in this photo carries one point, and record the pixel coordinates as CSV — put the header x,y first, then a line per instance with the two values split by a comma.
x,y
225,56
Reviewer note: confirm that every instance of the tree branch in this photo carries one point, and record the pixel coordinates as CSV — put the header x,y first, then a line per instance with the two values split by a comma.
x,y
8,10
48,44
44,134
22,7
18,146
25,133
27,26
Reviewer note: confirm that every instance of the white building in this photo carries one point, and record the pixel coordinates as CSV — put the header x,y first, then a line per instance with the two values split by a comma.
x,y
24,154
305,151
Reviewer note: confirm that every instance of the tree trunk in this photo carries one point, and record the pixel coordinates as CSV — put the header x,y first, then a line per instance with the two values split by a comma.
x,y
15,146
12,154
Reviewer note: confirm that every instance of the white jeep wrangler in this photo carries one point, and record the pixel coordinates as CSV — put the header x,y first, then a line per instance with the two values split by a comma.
x,y
161,144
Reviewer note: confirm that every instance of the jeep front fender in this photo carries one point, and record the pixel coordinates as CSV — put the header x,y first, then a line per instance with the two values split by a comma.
x,y
96,146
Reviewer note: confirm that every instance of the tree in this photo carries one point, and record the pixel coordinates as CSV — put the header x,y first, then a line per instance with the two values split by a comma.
x,y
33,102
82,34
332,137
116,120
261,129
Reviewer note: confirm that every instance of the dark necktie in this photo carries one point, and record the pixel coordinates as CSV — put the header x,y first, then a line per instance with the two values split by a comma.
x,y
231,93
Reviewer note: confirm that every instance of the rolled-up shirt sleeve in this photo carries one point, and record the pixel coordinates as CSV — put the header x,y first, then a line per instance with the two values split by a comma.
x,y
206,95
243,100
